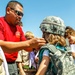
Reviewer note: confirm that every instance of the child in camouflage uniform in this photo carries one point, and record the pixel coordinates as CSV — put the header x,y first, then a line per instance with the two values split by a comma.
x,y
53,29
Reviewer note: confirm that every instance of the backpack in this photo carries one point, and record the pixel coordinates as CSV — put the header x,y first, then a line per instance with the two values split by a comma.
x,y
62,62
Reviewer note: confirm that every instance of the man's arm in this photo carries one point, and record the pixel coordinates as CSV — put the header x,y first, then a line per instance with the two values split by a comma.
x,y
16,46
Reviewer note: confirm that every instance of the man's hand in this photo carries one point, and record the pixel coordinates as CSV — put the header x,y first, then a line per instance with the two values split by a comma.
x,y
37,42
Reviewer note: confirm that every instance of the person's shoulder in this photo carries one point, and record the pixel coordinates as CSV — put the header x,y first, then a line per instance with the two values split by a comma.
x,y
1,19
2,23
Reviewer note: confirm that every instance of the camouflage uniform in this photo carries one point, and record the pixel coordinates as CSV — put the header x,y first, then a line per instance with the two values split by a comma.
x,y
62,60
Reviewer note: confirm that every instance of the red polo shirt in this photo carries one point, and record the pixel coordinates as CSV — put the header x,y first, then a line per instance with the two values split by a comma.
x,y
10,33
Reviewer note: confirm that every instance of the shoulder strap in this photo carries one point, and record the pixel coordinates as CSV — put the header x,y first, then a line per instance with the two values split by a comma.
x,y
52,48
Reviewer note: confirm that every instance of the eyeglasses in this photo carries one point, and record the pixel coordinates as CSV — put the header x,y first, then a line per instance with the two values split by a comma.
x,y
18,12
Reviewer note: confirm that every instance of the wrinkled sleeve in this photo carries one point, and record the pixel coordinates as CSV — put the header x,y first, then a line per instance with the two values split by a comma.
x,y
19,57
46,53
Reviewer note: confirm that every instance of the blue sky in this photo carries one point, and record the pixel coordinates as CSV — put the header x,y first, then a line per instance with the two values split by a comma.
x,y
36,10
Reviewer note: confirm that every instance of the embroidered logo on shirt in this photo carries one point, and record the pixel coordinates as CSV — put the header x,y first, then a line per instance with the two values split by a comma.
x,y
18,34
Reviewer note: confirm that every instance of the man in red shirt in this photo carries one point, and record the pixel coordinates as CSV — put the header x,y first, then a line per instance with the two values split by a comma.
x,y
12,32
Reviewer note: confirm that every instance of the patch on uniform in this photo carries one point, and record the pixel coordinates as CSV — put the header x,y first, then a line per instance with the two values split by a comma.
x,y
17,34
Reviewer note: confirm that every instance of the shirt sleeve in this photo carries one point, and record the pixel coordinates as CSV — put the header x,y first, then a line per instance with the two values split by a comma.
x,y
46,53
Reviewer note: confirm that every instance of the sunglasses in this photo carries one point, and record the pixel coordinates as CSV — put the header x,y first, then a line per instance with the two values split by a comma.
x,y
18,12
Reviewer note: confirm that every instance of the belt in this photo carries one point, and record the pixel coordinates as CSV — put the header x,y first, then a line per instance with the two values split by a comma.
x,y
10,62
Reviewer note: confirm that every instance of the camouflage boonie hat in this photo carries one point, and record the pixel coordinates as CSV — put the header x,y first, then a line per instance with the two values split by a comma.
x,y
54,25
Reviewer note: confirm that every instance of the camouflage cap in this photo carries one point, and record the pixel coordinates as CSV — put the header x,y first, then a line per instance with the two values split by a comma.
x,y
54,25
